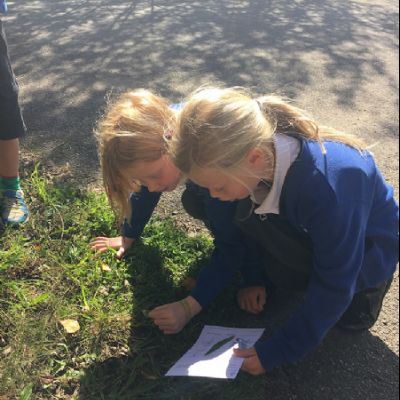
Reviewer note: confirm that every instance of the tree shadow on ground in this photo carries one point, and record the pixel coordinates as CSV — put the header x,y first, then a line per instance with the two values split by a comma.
x,y
69,54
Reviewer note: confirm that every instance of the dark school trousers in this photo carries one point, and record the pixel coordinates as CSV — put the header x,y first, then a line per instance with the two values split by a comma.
x,y
11,122
288,264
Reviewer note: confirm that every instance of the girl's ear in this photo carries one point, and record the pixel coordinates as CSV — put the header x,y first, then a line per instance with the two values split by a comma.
x,y
255,158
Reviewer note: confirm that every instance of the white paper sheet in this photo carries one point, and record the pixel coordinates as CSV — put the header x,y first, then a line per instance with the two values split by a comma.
x,y
220,363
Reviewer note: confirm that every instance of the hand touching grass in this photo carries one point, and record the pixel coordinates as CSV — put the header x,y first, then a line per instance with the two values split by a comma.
x,y
119,243
171,318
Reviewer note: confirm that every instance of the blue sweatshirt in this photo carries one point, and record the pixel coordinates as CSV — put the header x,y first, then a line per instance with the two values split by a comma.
x,y
341,200
3,6
233,251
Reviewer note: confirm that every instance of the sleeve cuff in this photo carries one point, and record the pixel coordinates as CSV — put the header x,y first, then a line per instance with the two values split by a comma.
x,y
270,354
252,279
128,231
204,301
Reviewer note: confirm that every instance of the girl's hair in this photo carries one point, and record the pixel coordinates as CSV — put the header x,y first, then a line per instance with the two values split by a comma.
x,y
132,130
218,127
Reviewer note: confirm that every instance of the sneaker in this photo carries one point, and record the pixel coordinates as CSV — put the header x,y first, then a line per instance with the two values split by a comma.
x,y
13,208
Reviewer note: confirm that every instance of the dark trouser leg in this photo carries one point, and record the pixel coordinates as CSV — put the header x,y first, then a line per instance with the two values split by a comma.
x,y
288,254
364,309
288,263
284,276
11,123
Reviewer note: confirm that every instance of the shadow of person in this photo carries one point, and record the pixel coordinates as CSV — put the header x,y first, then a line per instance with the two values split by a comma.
x,y
2,228
133,373
345,366
357,366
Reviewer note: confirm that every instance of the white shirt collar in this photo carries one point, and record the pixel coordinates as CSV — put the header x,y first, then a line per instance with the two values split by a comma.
x,y
287,149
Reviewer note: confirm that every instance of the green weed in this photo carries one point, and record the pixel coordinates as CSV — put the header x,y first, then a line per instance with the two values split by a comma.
x,y
49,274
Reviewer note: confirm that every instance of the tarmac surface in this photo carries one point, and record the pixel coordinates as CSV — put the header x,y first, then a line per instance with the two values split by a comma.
x,y
337,59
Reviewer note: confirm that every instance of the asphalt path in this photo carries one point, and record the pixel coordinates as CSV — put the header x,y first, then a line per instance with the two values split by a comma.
x,y
338,59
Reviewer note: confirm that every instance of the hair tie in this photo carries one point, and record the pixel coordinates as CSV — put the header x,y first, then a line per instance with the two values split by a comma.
x,y
168,135
187,309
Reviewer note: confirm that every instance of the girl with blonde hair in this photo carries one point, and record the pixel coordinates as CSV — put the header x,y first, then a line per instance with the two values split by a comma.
x,y
133,139
311,196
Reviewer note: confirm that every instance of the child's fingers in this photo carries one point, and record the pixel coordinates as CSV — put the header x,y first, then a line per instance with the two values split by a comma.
x,y
155,313
126,245
244,302
102,250
252,299
162,322
99,249
120,252
262,300
169,329
167,326
158,313
252,365
99,241
245,353
108,243
251,305
247,305
258,302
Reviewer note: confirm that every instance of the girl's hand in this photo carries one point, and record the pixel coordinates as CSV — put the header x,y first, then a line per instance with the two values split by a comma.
x,y
251,363
252,299
172,318
120,243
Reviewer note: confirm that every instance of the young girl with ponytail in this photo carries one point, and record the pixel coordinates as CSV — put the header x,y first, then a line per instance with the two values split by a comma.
x,y
311,196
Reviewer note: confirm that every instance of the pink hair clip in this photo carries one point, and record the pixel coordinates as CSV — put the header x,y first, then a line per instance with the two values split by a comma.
x,y
168,135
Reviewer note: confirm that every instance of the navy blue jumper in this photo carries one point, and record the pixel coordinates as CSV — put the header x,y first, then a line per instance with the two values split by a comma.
x,y
233,251
341,202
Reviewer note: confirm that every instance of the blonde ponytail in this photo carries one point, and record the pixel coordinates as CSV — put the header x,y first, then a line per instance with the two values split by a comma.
x,y
218,127
291,120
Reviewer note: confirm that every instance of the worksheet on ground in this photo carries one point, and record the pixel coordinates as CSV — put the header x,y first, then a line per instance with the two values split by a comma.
x,y
212,354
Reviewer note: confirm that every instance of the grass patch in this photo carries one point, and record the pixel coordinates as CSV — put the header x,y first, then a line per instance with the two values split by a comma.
x,y
48,274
